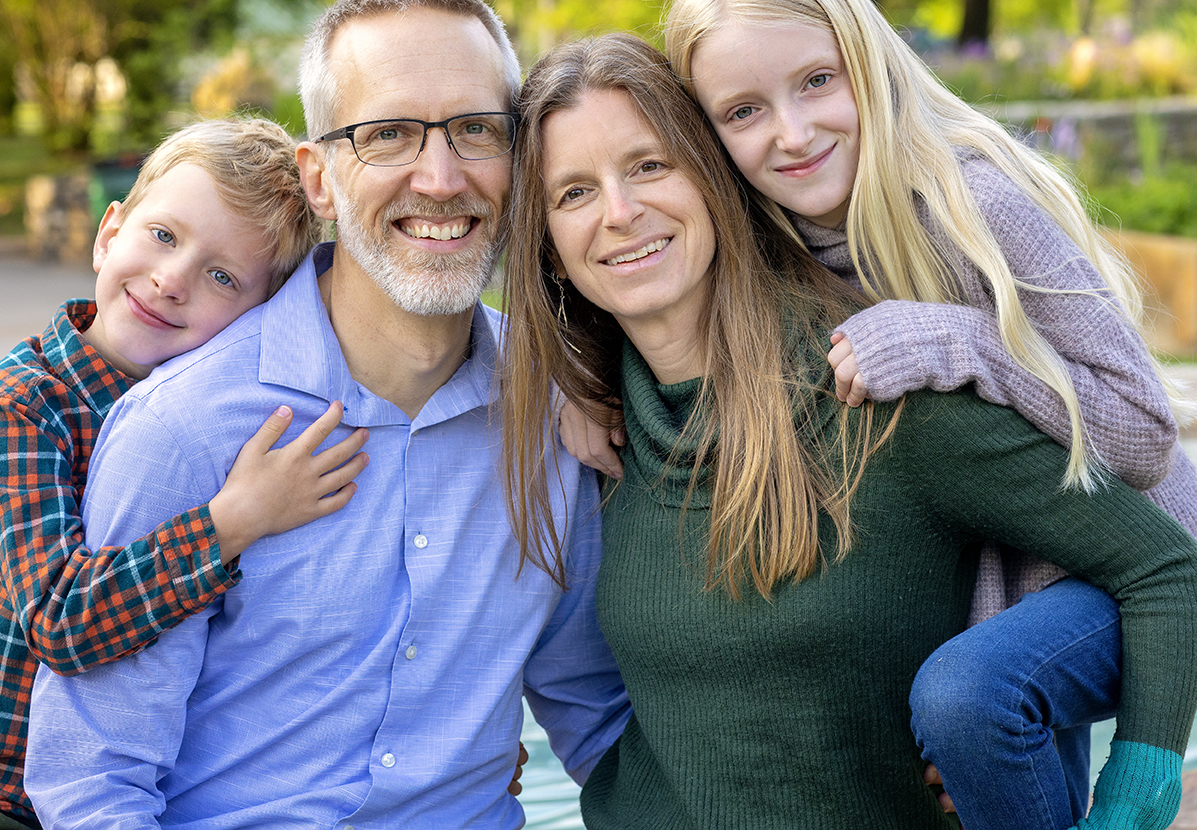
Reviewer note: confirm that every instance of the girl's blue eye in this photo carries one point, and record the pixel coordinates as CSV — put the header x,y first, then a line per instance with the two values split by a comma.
x,y
164,236
819,80
221,277
742,113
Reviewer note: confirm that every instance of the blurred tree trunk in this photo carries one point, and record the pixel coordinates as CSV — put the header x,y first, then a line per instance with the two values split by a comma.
x,y
58,43
8,82
976,26
1084,13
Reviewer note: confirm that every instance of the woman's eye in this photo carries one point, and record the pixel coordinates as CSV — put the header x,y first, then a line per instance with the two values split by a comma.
x,y
742,113
221,277
164,236
819,80
573,194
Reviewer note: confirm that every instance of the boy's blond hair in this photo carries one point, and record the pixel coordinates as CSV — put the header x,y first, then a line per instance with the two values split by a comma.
x,y
252,163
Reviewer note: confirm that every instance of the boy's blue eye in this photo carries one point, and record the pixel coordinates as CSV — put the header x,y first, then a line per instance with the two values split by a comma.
x,y
221,277
164,236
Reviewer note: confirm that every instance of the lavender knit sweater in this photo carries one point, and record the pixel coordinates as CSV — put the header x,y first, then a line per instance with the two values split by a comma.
x,y
904,345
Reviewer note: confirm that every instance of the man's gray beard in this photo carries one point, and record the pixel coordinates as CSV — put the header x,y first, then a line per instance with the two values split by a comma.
x,y
417,281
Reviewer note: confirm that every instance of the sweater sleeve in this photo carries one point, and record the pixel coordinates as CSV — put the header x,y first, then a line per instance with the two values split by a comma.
x,y
985,473
905,345
80,607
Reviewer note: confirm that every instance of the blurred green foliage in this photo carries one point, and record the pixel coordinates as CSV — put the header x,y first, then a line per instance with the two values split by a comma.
x,y
538,25
1158,203
1157,196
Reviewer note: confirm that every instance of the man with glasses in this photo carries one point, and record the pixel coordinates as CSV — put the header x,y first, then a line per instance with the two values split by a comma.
x,y
367,671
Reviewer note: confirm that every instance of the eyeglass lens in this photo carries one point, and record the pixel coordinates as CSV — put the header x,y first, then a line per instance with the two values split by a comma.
x,y
474,137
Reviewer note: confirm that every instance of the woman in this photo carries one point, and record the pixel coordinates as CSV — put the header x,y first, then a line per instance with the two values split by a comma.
x,y
770,553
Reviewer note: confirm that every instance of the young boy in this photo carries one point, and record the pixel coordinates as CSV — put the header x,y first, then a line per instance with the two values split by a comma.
x,y
214,225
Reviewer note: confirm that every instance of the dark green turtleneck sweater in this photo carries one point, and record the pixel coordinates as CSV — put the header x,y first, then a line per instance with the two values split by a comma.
x,y
793,713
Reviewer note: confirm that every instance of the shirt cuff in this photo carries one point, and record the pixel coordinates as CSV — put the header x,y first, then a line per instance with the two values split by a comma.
x,y
192,553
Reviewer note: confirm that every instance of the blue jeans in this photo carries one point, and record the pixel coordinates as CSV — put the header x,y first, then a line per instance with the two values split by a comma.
x,y
1003,709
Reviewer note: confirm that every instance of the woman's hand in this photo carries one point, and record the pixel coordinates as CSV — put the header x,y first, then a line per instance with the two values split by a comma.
x,y
515,787
849,385
273,490
932,778
592,444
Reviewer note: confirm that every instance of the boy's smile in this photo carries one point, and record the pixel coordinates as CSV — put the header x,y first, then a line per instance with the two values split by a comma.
x,y
173,271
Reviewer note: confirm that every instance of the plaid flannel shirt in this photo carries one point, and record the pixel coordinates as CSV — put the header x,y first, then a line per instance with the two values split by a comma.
x,y
67,606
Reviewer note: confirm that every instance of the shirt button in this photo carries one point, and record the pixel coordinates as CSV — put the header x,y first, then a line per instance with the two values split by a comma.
x,y
421,541
388,760
411,652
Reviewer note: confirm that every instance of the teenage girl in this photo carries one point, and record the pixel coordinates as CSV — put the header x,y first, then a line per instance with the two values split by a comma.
x,y
985,270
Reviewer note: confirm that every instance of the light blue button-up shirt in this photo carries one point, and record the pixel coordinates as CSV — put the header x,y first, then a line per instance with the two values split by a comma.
x,y
368,669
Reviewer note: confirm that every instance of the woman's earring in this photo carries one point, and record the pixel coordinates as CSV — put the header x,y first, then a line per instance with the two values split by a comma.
x,y
561,318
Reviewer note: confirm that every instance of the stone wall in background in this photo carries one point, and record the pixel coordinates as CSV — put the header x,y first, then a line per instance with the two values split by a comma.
x,y
1124,133
59,225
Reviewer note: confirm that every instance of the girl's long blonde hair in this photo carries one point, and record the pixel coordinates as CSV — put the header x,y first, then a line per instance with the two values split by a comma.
x,y
911,131
768,486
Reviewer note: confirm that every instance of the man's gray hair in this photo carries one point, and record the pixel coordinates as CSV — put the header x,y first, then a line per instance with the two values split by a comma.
x,y
318,85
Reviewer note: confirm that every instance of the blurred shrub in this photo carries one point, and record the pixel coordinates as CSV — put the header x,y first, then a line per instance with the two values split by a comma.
x,y
1047,65
238,82
1160,203
288,111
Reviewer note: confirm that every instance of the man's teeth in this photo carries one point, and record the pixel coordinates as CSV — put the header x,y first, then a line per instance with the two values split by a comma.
x,y
436,231
650,248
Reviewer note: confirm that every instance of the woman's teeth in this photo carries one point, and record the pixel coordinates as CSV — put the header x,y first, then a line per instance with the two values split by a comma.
x,y
650,248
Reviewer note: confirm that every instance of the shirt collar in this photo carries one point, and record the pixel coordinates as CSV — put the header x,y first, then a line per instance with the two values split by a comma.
x,y
96,380
300,351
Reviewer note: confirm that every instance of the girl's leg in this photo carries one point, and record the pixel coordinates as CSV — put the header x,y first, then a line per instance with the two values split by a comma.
x,y
987,706
1075,750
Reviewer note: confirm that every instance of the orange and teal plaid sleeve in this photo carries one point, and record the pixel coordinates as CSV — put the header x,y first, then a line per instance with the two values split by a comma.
x,y
78,607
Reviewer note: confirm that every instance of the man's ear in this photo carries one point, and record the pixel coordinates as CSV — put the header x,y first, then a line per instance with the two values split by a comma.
x,y
314,174
109,225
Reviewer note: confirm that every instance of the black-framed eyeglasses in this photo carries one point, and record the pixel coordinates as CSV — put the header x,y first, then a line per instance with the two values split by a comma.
x,y
398,141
